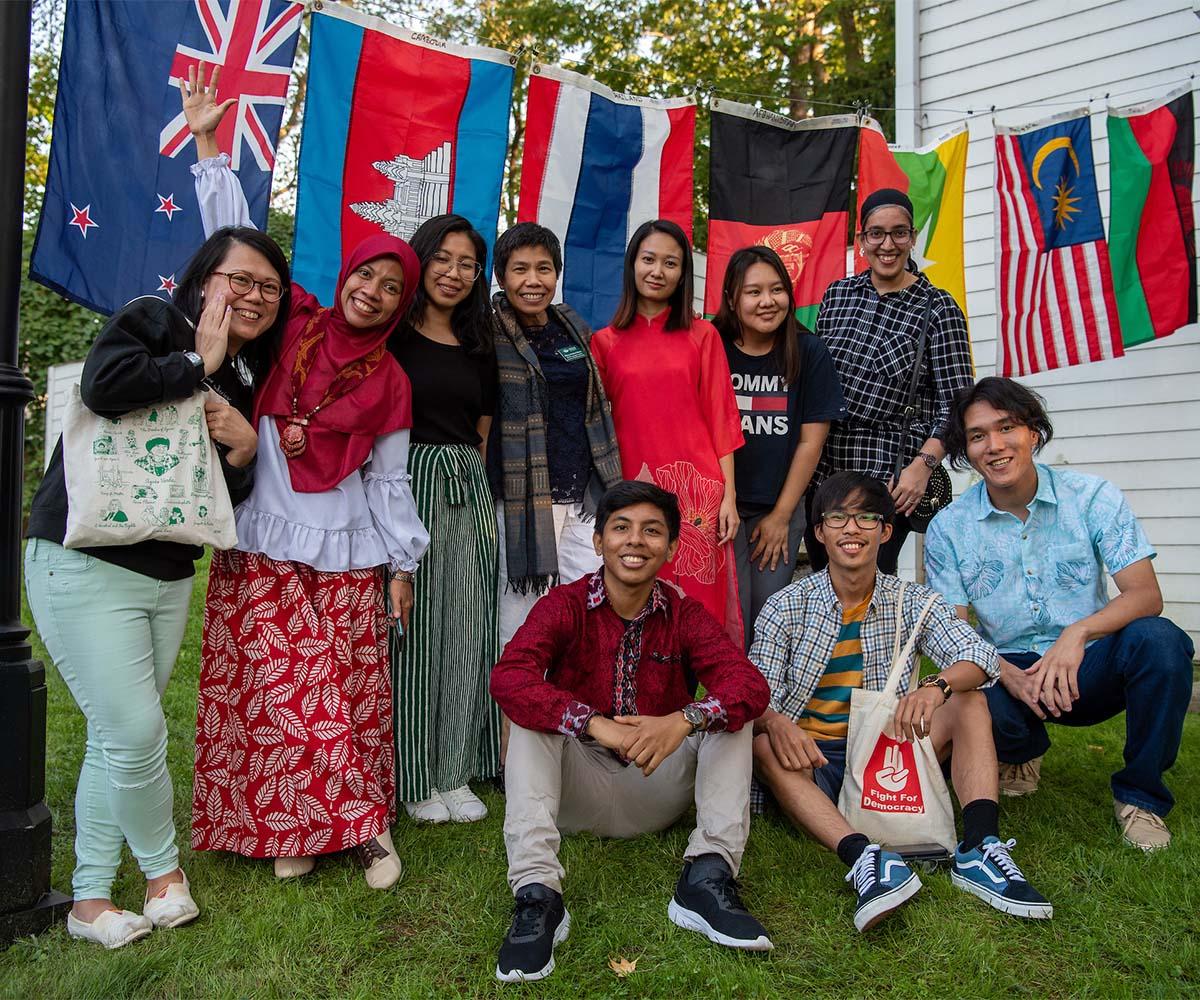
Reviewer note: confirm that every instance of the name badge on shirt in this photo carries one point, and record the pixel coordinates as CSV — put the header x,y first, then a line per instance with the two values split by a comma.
x,y
572,352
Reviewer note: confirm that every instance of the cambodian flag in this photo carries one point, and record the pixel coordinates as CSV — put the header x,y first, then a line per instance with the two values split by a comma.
x,y
598,164
398,127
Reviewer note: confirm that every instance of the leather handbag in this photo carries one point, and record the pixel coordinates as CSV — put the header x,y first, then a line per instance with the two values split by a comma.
x,y
938,492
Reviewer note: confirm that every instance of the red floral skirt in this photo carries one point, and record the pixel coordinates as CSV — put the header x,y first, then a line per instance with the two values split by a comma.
x,y
294,751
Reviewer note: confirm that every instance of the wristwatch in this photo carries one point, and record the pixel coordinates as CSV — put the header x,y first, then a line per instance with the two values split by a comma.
x,y
695,717
195,359
928,459
940,682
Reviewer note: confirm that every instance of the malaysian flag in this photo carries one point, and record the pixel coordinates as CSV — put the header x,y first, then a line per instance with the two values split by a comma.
x,y
1054,283
119,218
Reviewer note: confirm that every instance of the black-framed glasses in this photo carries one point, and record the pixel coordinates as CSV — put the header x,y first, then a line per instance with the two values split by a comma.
x,y
241,283
467,268
901,236
865,519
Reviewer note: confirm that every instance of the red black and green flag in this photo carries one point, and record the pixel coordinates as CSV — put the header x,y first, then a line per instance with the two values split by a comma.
x,y
784,184
1152,229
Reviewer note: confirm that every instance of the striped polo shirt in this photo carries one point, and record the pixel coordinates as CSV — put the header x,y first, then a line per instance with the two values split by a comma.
x,y
827,714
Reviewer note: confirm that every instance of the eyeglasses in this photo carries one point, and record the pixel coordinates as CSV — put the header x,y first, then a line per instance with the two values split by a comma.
x,y
840,518
240,283
901,236
467,269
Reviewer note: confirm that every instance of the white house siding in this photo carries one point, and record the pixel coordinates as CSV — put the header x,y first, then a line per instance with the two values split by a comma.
x,y
1134,420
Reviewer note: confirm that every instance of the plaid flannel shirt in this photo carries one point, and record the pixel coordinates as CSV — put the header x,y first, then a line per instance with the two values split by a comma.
x,y
795,634
873,340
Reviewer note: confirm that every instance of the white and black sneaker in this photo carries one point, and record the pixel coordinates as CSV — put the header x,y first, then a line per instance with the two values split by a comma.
x,y
540,921
883,882
706,900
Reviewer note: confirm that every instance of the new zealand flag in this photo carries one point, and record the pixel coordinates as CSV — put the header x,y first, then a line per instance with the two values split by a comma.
x,y
120,218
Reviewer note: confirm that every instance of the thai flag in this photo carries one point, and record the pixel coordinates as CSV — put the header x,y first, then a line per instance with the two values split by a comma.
x,y
598,164
398,127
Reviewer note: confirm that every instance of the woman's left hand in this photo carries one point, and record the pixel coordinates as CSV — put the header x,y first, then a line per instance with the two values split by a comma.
x,y
228,427
908,491
400,592
770,540
727,519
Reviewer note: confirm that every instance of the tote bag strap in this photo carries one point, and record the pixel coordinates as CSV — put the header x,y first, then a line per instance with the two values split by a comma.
x,y
898,636
898,664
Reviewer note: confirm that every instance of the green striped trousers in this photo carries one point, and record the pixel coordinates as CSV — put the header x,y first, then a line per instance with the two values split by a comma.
x,y
447,726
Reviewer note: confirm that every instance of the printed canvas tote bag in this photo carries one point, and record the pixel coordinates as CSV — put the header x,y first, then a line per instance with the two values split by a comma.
x,y
152,473
893,791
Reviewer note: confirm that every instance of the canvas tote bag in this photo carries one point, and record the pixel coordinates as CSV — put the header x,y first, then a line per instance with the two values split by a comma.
x,y
893,792
152,473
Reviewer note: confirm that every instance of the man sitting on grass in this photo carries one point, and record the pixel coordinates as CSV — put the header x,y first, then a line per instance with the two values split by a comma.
x,y
1027,549
817,640
608,736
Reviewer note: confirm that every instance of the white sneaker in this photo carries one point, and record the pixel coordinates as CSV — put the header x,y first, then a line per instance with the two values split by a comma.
x,y
113,928
380,861
431,810
173,906
294,867
464,805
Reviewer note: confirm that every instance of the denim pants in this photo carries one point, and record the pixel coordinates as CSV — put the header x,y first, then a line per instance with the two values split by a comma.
x,y
756,585
113,635
1145,671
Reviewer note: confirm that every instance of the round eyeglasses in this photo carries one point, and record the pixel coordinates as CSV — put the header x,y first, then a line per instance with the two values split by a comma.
x,y
240,283
467,269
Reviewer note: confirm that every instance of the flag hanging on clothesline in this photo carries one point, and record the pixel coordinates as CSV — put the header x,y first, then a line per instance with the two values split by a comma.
x,y
398,127
1053,279
934,178
119,217
784,184
1152,228
596,165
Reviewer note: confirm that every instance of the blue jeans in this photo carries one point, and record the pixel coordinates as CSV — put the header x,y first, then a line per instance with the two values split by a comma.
x,y
113,634
1144,670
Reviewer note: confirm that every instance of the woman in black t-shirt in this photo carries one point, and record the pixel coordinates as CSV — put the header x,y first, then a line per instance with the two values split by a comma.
x,y
447,726
788,393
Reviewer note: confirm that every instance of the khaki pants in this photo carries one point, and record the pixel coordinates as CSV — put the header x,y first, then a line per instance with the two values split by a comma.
x,y
558,784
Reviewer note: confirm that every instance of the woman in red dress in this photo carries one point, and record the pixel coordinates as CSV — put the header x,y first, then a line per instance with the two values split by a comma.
x,y
665,372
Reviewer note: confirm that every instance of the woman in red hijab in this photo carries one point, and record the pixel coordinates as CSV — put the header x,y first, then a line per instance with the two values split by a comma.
x,y
294,742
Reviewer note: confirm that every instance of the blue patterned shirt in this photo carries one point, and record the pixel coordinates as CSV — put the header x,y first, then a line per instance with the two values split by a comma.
x,y
1028,580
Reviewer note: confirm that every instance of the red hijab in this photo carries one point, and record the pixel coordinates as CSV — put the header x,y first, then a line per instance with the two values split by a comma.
x,y
340,436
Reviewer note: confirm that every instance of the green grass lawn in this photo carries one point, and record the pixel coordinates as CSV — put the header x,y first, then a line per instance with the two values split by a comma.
x,y
1124,925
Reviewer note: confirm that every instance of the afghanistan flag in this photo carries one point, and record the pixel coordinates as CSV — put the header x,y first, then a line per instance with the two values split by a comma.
x,y
784,184
398,127
934,178
1152,231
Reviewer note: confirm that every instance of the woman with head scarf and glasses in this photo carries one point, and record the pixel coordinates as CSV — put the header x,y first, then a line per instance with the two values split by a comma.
x,y
871,323
447,726
294,752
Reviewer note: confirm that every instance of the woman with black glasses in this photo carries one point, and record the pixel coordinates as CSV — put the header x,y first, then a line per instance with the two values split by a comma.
x,y
871,323
447,726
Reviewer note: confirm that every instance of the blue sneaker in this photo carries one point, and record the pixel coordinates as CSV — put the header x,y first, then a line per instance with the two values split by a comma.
x,y
883,883
990,873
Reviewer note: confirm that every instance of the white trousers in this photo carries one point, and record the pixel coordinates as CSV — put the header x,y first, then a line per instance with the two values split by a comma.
x,y
576,558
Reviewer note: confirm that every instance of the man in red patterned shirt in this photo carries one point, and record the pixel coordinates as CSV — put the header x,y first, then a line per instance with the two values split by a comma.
x,y
609,736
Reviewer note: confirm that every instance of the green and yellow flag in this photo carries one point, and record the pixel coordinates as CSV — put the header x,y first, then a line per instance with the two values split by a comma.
x,y
934,177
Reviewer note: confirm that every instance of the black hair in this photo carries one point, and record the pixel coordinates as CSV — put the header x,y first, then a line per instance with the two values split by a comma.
x,y
524,234
1024,405
841,487
786,352
679,316
260,353
472,317
629,492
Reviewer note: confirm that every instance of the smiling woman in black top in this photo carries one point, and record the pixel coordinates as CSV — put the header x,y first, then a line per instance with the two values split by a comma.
x,y
447,727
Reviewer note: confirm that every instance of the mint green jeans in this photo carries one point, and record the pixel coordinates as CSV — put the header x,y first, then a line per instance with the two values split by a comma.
x,y
113,635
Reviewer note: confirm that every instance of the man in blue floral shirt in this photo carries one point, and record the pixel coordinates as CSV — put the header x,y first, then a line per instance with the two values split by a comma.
x,y
1026,549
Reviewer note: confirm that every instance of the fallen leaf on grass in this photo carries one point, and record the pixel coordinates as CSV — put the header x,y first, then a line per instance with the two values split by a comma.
x,y
622,966
1094,748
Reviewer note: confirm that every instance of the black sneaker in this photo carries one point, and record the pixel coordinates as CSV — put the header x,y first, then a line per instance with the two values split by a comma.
x,y
883,883
540,921
706,900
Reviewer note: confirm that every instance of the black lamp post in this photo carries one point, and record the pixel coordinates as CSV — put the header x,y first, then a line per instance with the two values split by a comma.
x,y
27,904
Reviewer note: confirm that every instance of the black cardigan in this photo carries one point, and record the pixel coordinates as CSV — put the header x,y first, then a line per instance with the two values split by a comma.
x,y
137,361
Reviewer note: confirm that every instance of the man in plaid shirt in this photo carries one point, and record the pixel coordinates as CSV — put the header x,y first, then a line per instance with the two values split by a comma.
x,y
817,640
